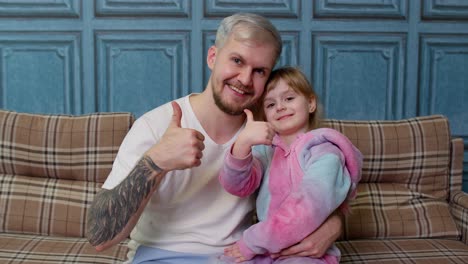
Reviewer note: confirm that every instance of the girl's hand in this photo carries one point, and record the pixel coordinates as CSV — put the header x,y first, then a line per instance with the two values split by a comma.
x,y
254,133
233,251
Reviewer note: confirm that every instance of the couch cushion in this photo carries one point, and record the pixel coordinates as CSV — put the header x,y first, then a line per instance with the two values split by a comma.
x,y
405,178
20,249
44,206
387,210
459,209
61,146
414,152
403,251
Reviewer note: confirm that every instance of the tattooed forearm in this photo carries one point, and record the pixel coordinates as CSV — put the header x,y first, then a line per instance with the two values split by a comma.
x,y
112,209
151,163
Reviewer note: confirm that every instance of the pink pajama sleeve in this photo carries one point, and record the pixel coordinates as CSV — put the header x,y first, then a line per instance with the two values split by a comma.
x,y
240,177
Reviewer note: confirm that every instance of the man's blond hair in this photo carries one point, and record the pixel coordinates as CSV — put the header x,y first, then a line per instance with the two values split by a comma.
x,y
248,26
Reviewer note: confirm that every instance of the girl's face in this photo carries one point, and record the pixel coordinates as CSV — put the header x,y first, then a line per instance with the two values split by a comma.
x,y
287,110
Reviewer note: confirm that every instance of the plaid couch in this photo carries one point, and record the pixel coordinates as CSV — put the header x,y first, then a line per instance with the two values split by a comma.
x,y
409,207
51,167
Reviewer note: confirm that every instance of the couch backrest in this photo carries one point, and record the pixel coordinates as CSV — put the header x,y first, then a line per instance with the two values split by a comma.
x,y
414,152
61,146
51,167
405,178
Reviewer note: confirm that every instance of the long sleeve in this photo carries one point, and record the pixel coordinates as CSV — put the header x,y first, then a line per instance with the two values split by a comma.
x,y
323,188
240,177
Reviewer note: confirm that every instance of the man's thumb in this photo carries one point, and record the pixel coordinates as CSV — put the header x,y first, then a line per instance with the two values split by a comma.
x,y
249,115
176,114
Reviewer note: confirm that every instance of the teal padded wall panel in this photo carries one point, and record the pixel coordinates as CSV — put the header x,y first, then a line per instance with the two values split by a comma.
x,y
145,68
270,8
444,79
42,8
449,10
361,9
358,71
38,72
153,8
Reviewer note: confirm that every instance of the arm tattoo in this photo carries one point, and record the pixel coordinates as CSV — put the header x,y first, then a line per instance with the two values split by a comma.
x,y
112,209
151,163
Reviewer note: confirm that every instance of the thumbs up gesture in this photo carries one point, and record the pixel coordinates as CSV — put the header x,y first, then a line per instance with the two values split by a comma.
x,y
179,148
254,133
176,115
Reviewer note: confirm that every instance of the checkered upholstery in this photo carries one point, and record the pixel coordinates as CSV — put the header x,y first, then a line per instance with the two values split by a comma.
x,y
399,251
15,249
409,207
60,146
51,168
459,206
405,184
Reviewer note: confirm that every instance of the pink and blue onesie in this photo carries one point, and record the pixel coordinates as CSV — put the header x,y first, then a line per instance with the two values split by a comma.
x,y
299,187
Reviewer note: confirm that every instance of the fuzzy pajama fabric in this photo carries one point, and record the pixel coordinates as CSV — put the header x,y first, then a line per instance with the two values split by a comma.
x,y
300,186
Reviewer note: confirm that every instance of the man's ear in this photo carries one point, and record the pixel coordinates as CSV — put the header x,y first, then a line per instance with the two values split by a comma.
x,y
312,104
211,57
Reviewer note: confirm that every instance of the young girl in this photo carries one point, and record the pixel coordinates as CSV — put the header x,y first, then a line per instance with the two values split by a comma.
x,y
304,173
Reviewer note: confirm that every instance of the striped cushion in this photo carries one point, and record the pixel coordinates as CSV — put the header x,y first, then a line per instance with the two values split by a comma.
x,y
44,206
437,251
52,166
61,146
459,209
405,178
43,249
388,210
413,152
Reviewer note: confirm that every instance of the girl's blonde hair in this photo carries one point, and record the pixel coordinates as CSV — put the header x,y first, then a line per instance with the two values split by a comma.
x,y
298,82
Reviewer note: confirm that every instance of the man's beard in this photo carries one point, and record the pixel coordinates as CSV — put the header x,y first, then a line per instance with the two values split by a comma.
x,y
229,109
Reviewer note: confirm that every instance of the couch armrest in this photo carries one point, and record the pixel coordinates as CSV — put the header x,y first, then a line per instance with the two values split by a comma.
x,y
459,210
456,165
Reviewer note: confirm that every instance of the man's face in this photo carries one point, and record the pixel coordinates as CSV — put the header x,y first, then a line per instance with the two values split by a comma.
x,y
240,70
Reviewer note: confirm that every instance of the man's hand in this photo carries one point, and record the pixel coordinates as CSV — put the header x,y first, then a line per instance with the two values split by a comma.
x,y
254,133
179,148
316,244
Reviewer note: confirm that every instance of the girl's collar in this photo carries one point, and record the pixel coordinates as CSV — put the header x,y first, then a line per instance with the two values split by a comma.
x,y
278,142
